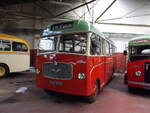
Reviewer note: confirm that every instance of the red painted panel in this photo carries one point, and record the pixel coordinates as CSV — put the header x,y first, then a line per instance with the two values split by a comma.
x,y
94,68
132,68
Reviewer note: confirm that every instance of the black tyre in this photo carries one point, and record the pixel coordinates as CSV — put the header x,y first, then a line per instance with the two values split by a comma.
x,y
48,92
93,97
4,71
125,79
131,89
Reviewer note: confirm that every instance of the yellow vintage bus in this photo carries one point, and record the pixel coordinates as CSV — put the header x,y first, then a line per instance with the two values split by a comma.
x,y
14,55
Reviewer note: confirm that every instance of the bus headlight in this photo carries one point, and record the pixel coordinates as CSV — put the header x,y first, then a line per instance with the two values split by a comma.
x,y
37,71
81,76
138,73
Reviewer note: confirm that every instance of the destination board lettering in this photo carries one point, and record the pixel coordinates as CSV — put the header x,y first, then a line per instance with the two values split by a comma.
x,y
62,26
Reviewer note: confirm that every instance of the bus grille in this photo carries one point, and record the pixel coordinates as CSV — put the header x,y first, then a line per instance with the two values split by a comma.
x,y
147,72
57,70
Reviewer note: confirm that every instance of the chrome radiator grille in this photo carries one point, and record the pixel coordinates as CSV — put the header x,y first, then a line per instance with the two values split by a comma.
x,y
57,70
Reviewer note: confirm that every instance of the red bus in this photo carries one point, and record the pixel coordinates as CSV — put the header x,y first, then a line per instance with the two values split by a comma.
x,y
138,67
74,58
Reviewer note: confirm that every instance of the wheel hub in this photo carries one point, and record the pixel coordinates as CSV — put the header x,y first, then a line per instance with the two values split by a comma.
x,y
2,71
95,90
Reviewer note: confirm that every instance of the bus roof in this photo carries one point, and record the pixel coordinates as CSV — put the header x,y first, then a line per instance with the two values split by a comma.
x,y
13,38
74,26
142,40
71,27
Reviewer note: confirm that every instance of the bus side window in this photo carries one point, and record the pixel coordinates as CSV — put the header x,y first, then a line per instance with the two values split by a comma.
x,y
17,46
6,45
95,47
99,46
24,48
107,48
111,49
1,47
102,46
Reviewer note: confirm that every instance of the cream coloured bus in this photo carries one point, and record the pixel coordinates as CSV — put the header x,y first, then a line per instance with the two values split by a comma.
x,y
14,54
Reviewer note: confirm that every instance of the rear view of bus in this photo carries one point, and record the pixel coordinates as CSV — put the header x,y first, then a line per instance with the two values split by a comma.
x,y
138,70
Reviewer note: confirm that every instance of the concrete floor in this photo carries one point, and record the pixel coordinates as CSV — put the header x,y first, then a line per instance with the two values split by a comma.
x,y
115,98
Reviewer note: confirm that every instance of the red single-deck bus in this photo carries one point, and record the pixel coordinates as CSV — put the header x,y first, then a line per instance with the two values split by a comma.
x,y
74,58
138,68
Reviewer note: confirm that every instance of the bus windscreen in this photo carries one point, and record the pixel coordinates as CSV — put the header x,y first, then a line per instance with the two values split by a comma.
x,y
70,43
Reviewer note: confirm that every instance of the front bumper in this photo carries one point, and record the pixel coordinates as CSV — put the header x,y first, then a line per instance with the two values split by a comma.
x,y
139,84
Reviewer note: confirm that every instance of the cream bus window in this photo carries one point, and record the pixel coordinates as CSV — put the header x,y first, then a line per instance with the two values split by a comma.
x,y
1,47
17,46
6,45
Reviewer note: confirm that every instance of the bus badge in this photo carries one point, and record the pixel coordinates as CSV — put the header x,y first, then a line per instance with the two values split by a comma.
x,y
55,63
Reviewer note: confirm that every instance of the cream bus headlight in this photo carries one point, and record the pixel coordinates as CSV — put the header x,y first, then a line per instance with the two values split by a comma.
x,y
138,73
37,71
81,76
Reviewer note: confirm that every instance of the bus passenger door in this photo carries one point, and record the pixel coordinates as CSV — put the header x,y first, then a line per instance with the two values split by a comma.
x,y
98,60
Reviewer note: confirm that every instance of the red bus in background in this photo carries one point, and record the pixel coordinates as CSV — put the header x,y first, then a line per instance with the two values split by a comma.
x,y
120,64
138,68
74,58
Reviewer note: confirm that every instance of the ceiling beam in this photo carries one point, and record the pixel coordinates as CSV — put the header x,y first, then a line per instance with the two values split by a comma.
x,y
105,10
88,8
123,24
60,3
22,14
5,3
44,9
74,8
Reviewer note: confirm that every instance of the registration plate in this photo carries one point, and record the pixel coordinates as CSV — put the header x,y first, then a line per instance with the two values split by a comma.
x,y
56,82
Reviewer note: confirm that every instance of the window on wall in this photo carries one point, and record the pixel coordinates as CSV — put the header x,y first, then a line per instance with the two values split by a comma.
x,y
95,47
20,47
6,45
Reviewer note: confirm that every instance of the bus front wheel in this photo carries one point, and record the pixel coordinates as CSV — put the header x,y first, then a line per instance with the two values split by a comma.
x,y
93,97
3,70
131,89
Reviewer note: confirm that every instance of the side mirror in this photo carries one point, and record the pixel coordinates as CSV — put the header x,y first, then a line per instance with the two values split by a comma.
x,y
125,52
